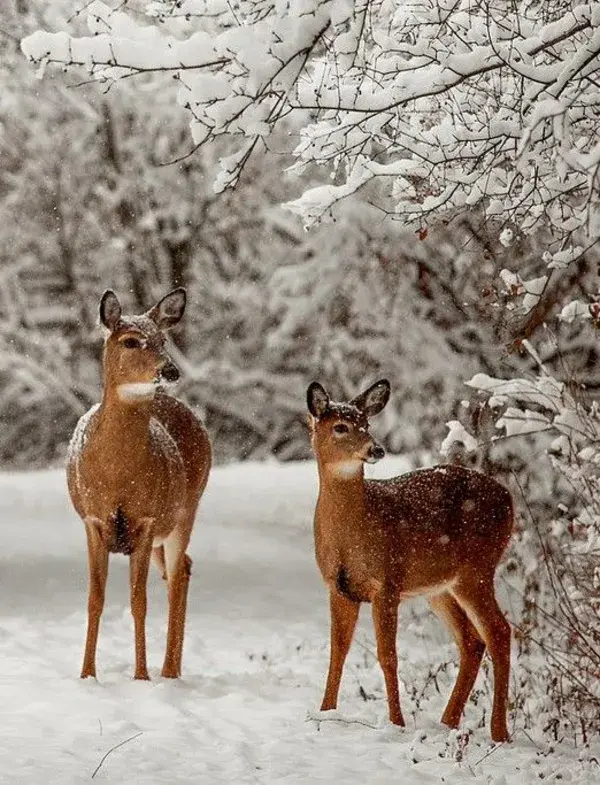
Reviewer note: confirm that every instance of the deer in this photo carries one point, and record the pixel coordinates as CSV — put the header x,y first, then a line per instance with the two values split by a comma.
x,y
437,532
138,464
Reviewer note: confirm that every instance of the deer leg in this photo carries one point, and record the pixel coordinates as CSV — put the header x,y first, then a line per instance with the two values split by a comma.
x,y
158,557
471,649
179,569
98,571
344,614
477,598
385,621
139,565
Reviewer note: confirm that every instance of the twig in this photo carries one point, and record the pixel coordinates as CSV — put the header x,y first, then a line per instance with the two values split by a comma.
x,y
79,11
112,749
309,718
535,744
488,753
9,35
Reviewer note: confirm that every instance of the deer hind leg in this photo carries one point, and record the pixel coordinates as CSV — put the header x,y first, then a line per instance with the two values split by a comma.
x,y
471,648
344,614
158,557
179,569
385,621
477,598
139,565
98,571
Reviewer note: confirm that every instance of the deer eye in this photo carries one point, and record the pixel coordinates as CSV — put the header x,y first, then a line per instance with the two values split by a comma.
x,y
131,343
341,427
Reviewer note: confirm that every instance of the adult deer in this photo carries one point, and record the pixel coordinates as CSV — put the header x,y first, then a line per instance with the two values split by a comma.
x,y
436,532
138,464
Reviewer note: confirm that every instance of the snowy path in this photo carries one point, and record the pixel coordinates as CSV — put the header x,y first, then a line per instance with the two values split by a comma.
x,y
255,659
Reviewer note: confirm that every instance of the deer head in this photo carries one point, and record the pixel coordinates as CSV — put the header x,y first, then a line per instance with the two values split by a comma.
x,y
340,431
135,359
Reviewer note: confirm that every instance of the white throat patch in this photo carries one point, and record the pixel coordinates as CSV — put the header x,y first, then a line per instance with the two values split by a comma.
x,y
136,391
346,469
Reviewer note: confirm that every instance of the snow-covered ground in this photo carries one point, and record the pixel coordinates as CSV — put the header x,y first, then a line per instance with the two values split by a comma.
x,y
255,660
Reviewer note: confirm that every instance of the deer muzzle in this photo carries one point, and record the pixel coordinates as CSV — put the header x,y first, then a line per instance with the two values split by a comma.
x,y
375,453
169,372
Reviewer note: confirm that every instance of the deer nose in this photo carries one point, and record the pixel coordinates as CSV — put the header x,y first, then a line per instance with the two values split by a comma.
x,y
376,452
169,372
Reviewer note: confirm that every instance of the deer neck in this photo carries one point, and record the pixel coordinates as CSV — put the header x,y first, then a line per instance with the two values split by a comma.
x,y
125,422
342,492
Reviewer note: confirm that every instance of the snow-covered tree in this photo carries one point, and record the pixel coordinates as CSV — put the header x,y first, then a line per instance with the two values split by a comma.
x,y
451,104
430,109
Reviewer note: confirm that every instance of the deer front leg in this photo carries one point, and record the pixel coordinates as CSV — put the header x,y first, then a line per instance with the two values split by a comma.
x,y
344,614
98,571
178,568
385,621
139,564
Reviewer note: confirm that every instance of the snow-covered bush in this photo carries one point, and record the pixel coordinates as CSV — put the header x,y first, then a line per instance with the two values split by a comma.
x,y
558,550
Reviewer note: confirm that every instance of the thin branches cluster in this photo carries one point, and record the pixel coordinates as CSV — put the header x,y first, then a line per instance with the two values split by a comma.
x,y
561,594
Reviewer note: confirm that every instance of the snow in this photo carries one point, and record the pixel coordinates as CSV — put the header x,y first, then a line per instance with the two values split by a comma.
x,y
506,236
576,309
77,442
457,433
512,282
544,391
534,288
519,422
254,664
129,45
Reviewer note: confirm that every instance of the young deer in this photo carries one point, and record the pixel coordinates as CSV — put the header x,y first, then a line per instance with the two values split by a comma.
x,y
436,532
138,464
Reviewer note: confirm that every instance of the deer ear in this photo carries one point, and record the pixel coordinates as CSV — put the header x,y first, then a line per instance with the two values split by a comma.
x,y
374,399
168,311
110,309
317,399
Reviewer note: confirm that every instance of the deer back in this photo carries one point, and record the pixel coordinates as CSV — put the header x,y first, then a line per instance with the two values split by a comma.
x,y
433,522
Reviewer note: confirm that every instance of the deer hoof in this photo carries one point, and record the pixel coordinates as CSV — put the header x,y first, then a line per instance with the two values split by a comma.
x,y
500,735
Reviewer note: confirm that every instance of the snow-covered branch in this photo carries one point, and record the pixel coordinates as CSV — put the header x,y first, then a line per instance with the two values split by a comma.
x,y
453,104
